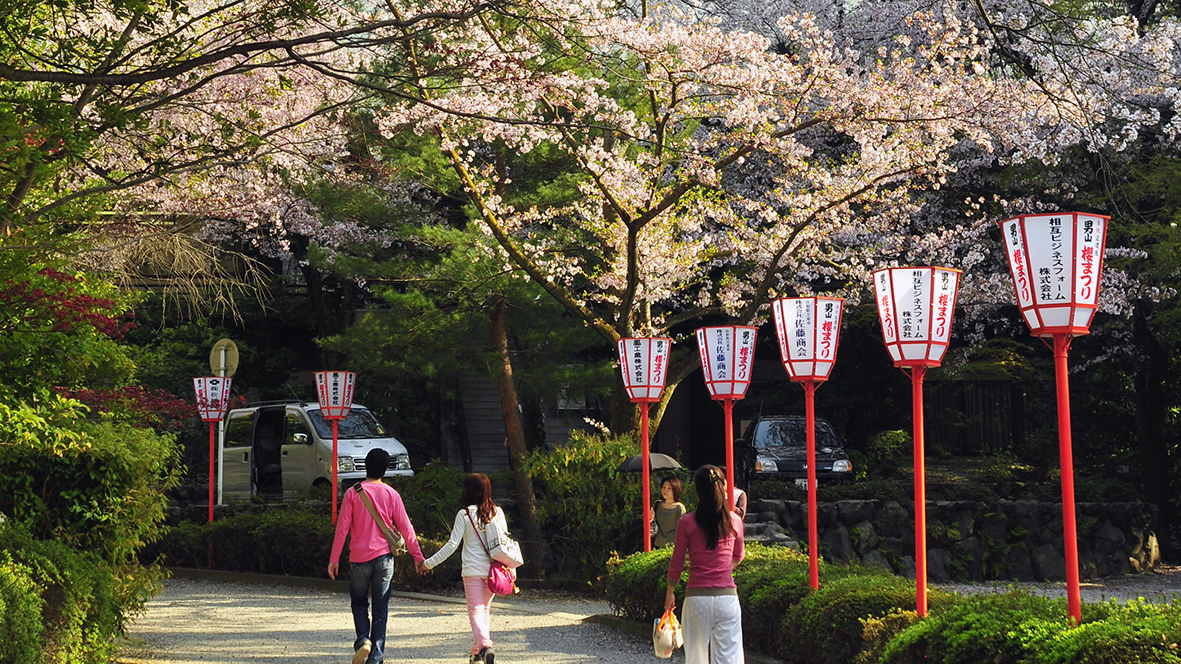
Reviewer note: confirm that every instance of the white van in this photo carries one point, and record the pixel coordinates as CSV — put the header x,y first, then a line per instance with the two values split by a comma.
x,y
275,449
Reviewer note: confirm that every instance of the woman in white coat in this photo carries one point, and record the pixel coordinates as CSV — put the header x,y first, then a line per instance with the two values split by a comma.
x,y
479,512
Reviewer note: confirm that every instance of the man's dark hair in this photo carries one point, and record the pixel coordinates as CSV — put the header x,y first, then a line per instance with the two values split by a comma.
x,y
376,463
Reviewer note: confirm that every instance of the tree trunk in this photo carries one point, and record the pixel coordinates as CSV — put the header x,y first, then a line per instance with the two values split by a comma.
x,y
515,434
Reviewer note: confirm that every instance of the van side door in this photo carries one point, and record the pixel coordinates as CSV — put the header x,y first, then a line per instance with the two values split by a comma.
x,y
301,462
235,457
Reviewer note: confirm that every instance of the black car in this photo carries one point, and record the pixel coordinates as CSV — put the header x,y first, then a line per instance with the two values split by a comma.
x,y
776,448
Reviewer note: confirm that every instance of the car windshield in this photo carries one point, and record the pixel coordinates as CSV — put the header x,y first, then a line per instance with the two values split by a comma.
x,y
359,424
791,433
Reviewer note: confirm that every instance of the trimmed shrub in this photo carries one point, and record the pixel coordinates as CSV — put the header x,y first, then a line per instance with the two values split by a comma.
x,y
20,612
588,508
636,585
431,497
1136,632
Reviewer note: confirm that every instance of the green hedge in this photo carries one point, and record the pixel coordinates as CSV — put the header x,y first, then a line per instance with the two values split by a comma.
x,y
865,616
58,605
291,542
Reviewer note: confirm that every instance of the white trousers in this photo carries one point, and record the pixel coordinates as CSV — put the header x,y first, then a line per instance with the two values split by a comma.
x,y
713,630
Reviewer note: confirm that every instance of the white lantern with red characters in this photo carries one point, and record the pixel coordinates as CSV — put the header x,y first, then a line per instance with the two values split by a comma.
x,y
727,358
915,307
644,366
213,397
1055,261
808,329
335,392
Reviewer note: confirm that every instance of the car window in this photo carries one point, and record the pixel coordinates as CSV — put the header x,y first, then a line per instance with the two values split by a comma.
x,y
296,425
359,424
239,430
791,433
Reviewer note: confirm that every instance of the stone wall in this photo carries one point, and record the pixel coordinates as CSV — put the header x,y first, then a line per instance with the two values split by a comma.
x,y
968,541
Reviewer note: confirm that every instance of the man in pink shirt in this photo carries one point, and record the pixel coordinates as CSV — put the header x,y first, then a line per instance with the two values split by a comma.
x,y
371,564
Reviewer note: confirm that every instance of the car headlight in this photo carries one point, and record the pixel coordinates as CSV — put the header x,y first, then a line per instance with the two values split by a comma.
x,y
402,462
345,464
842,466
766,466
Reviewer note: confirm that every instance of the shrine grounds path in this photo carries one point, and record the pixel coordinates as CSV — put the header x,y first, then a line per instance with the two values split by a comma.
x,y
263,620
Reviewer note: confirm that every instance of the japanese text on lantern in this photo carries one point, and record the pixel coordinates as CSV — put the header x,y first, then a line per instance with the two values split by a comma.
x,y
658,363
1057,261
1087,261
941,305
885,306
720,369
744,355
801,331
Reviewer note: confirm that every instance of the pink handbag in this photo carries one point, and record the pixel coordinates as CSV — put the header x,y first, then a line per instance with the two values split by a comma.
x,y
501,580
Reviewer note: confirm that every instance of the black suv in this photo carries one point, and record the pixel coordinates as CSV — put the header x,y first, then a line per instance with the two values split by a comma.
x,y
776,447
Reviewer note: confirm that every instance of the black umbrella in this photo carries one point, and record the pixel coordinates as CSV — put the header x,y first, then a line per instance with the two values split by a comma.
x,y
656,461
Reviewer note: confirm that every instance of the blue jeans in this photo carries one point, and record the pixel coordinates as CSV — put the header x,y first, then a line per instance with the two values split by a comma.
x,y
371,579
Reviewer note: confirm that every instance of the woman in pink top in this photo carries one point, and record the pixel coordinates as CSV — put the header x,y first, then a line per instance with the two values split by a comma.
x,y
712,536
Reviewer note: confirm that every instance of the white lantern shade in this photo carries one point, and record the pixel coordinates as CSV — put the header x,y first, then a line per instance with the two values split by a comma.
x,y
644,363
808,329
727,358
213,397
915,307
335,391
1055,261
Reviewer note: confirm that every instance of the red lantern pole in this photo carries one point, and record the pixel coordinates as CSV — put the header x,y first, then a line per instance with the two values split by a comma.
x,y
335,468
1066,458
728,406
647,468
917,373
813,530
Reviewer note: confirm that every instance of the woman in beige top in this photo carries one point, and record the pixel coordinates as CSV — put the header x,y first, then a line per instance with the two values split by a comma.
x,y
668,512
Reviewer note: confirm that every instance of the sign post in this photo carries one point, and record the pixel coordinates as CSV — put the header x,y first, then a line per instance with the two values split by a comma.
x,y
915,307
335,392
727,357
808,329
644,363
1056,261
213,400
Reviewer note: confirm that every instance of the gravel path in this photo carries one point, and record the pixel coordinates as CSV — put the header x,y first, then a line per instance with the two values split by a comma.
x,y
208,621
1162,585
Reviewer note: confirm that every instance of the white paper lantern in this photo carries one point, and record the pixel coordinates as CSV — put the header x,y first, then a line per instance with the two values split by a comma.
x,y
915,307
1055,261
644,366
808,329
335,391
727,358
213,397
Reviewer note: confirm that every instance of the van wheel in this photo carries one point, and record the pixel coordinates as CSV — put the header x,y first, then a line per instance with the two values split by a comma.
x,y
321,490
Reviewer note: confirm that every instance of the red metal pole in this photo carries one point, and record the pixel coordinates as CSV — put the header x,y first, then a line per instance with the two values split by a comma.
x,y
728,404
212,447
647,479
813,533
1066,458
920,493
335,464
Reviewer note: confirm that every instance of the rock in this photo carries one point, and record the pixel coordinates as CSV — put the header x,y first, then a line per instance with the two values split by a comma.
x,y
971,553
877,559
864,538
1048,563
906,567
837,544
776,506
1019,564
826,515
855,511
1153,550
891,519
1109,539
992,531
938,566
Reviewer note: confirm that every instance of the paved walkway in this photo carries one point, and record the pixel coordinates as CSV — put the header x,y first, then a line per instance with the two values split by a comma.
x,y
196,621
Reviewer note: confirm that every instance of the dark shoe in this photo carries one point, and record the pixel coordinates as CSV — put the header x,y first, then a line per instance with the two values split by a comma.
x,y
362,653
487,655
476,658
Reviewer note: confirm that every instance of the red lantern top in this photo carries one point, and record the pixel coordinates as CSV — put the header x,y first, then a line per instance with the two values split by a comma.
x,y
808,329
644,363
335,391
1055,261
915,307
727,357
213,397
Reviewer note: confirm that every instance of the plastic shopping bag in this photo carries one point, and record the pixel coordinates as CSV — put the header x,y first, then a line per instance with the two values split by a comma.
x,y
666,635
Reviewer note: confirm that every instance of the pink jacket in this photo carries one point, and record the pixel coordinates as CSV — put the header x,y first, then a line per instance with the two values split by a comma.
x,y
707,568
366,541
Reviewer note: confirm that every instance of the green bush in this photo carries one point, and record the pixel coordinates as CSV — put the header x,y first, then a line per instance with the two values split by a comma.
x,y
636,585
826,626
1136,632
60,605
431,497
1003,628
589,509
888,453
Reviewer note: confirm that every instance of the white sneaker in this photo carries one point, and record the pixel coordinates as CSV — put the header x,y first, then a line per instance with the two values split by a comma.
x,y
362,653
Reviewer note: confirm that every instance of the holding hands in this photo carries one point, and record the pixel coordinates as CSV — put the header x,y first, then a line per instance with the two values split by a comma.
x,y
420,566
